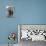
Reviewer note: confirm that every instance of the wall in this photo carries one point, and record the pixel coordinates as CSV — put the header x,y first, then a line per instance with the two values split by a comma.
x,y
26,12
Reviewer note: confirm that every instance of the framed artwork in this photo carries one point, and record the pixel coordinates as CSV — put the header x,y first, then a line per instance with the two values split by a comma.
x,y
32,32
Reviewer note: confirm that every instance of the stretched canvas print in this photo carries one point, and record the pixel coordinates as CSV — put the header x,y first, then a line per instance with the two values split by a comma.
x,y
22,22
